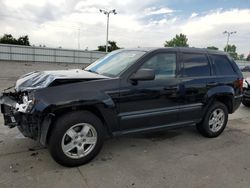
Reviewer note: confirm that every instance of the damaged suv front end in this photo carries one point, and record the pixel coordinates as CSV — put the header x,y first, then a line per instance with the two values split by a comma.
x,y
23,107
41,98
17,109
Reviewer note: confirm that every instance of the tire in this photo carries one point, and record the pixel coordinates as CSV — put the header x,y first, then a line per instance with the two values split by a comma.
x,y
246,103
81,131
212,125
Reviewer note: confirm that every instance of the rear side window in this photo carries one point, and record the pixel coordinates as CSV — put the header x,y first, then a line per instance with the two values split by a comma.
x,y
195,65
222,65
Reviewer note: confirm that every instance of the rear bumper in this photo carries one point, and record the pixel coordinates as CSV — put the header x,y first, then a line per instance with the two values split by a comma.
x,y
236,103
246,95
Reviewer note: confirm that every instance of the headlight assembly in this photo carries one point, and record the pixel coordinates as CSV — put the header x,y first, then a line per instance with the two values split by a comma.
x,y
26,106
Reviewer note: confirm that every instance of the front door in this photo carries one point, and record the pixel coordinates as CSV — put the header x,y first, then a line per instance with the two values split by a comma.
x,y
148,104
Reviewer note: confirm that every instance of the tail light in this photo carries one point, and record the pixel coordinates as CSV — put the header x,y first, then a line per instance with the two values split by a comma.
x,y
240,84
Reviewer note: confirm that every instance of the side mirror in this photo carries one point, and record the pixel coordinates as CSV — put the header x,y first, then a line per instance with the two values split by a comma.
x,y
143,74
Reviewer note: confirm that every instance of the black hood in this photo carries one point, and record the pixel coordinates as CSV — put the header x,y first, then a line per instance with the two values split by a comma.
x,y
42,79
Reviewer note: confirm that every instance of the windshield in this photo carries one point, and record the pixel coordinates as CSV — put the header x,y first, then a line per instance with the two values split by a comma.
x,y
115,62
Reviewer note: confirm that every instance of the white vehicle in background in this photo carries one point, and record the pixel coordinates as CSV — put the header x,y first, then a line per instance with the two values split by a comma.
x,y
246,93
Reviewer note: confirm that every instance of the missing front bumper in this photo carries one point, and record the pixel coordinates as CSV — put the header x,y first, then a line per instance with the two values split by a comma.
x,y
9,116
27,123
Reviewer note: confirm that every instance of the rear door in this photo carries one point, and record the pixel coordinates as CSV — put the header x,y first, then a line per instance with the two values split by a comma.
x,y
195,75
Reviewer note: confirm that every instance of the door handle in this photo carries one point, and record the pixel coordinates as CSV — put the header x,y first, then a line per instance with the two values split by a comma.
x,y
212,84
170,88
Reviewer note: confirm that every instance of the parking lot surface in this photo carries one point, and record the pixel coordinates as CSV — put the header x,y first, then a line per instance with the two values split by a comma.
x,y
176,158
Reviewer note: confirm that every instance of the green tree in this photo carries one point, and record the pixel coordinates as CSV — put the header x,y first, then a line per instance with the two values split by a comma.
x,y
241,57
111,47
9,39
179,40
212,48
23,40
231,49
248,57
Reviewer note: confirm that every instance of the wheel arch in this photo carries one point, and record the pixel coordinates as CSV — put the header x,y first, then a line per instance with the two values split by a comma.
x,y
51,116
223,94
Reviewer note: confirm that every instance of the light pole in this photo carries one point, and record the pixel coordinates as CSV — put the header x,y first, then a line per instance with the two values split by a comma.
x,y
107,13
228,36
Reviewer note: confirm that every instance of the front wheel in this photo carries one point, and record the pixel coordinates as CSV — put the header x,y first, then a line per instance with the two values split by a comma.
x,y
76,138
214,121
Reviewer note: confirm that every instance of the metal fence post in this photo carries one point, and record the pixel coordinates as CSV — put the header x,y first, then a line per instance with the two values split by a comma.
x,y
54,52
33,51
10,53
91,57
74,56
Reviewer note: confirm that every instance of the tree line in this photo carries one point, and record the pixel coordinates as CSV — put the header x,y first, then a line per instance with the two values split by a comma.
x,y
9,39
180,40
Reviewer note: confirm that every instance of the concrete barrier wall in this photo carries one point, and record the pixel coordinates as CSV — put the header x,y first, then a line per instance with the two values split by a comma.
x,y
53,55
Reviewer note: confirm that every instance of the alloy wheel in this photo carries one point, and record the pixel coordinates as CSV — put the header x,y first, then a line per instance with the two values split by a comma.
x,y
79,140
216,120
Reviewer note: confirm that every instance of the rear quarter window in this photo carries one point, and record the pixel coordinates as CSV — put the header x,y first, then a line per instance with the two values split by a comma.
x,y
222,66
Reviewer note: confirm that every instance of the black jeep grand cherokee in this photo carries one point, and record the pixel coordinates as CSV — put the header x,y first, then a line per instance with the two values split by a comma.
x,y
127,91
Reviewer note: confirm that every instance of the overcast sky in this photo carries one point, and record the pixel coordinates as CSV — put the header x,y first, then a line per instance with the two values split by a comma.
x,y
144,23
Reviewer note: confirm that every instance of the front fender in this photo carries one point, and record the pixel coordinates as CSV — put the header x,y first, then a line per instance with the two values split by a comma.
x,y
105,107
49,103
61,99
81,92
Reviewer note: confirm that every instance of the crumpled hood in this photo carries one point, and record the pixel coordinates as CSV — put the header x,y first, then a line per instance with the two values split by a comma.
x,y
42,79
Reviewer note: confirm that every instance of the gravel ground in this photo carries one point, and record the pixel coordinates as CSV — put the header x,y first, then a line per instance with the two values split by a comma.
x,y
176,158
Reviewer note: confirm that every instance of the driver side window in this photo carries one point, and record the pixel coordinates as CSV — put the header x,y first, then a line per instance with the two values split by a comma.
x,y
164,65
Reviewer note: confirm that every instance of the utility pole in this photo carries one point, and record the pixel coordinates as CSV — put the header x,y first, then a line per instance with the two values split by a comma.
x,y
228,36
108,13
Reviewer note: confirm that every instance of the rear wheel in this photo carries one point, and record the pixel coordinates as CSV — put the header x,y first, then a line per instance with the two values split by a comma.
x,y
76,138
215,120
